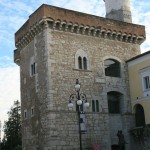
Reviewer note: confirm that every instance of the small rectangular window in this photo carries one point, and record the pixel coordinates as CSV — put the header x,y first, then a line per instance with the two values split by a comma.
x,y
93,106
146,82
97,106
25,114
33,69
32,111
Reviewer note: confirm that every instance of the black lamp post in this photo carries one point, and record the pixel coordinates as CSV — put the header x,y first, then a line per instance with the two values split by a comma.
x,y
81,102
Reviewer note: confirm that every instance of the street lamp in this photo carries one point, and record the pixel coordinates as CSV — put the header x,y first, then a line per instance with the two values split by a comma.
x,y
81,101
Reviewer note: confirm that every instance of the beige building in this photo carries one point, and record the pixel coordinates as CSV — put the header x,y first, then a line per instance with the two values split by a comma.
x,y
139,79
57,46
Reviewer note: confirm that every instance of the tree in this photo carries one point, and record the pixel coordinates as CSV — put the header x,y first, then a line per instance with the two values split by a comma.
x,y
12,129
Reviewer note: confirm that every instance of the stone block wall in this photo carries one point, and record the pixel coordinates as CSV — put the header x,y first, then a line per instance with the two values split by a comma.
x,y
53,126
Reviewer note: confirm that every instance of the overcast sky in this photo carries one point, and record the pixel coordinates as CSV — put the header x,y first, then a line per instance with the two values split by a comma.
x,y
15,12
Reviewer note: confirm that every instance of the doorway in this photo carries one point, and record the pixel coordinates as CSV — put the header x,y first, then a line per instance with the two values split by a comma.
x,y
115,147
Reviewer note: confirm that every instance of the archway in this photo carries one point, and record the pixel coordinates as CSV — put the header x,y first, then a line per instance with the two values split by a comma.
x,y
139,115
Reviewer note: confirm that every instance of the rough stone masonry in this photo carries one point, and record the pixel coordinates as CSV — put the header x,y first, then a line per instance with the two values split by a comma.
x,y
48,47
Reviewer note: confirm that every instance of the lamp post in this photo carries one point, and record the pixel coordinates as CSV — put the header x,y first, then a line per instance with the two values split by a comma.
x,y
81,101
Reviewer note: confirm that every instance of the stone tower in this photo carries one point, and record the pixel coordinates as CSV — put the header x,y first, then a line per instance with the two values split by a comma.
x,y
55,47
118,10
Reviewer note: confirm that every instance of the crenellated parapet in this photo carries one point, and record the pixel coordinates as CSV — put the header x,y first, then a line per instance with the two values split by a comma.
x,y
77,23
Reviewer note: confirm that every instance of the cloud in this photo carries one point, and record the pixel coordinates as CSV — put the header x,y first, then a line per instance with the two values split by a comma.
x,y
95,7
140,15
6,61
9,87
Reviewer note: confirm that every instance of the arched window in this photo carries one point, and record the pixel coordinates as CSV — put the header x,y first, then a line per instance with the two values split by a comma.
x,y
84,63
139,115
114,100
93,106
112,68
80,62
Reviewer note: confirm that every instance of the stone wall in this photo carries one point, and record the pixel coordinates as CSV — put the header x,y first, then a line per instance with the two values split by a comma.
x,y
33,91
62,48
53,126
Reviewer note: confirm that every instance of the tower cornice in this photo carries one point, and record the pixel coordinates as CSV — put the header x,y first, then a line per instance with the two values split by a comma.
x,y
78,23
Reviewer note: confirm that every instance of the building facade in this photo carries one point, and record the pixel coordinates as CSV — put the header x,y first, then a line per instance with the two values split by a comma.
x,y
54,48
139,79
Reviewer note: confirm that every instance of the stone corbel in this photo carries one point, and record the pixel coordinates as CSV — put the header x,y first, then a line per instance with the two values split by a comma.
x,y
124,37
92,29
103,33
45,24
134,39
114,35
81,28
118,36
60,26
129,38
27,39
66,27
72,28
63,24
86,28
69,24
95,30
140,39
109,32
98,32
57,25
45,21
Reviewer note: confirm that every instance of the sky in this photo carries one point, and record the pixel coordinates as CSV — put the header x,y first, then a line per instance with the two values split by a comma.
x,y
14,13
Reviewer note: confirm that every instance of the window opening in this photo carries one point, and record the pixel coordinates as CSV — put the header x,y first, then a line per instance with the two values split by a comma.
x,y
112,68
32,69
25,114
114,99
80,62
32,111
147,82
93,106
85,63
139,116
97,106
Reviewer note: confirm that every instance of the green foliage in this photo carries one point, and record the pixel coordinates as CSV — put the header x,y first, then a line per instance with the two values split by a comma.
x,y
12,129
